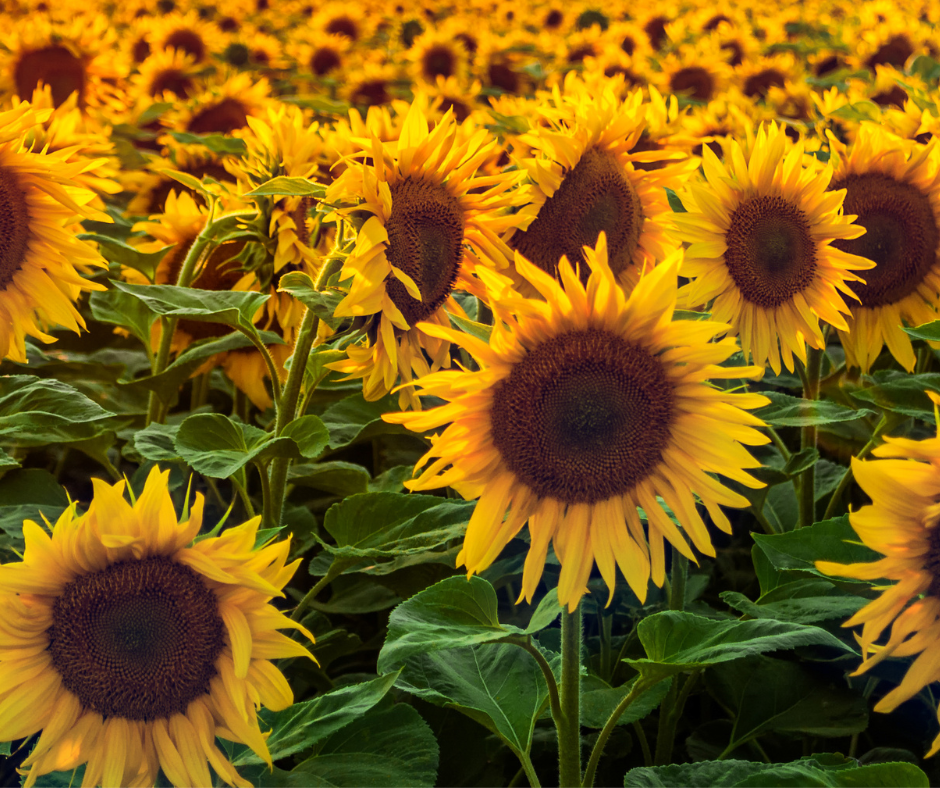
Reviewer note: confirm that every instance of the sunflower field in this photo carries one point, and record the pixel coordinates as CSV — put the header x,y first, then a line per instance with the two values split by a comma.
x,y
494,393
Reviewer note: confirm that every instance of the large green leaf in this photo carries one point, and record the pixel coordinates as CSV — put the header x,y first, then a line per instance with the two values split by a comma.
x,y
217,143
455,612
806,772
120,309
218,446
901,393
386,525
829,540
353,419
599,699
303,725
117,251
498,685
337,477
28,494
677,641
36,411
384,748
235,308
787,411
321,302
157,442
767,695
802,601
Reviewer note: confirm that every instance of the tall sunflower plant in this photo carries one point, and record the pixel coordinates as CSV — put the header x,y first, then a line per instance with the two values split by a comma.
x,y
408,445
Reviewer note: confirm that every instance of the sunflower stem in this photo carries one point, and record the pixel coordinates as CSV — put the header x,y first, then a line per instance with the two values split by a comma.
x,y
168,324
286,403
846,479
679,575
808,483
569,724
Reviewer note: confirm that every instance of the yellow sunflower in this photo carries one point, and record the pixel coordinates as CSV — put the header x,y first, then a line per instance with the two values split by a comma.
x,y
588,404
130,647
760,230
894,189
167,75
584,179
41,259
428,223
901,523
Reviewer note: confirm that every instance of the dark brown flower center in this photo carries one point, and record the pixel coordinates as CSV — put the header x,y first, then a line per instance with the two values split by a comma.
x,y
425,240
14,227
759,84
54,66
189,41
901,236
438,61
371,93
585,416
771,256
324,60
137,640
594,196
693,81
932,559
343,26
894,52
503,77
172,80
222,118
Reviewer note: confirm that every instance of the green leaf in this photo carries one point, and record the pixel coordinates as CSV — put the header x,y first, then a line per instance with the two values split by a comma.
x,y
337,477
787,411
598,701
776,695
830,540
116,251
455,612
676,641
168,382
233,308
321,302
156,442
353,419
479,330
674,202
37,411
217,143
384,524
189,181
498,685
218,446
121,309
6,461
806,772
28,494
304,724
385,748
858,111
283,186
802,609
901,393
801,461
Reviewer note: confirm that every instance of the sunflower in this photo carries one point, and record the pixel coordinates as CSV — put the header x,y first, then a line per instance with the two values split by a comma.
x,y
894,189
584,180
761,229
223,107
901,523
167,75
422,207
319,54
587,405
41,259
437,54
133,647
187,33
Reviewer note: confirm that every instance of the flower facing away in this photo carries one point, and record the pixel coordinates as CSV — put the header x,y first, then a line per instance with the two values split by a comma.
x,y
130,647
586,406
903,524
894,189
760,232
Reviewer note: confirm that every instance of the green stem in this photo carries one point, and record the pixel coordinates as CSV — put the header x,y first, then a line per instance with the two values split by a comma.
x,y
268,362
764,522
810,392
200,390
680,573
663,739
243,494
554,699
529,769
638,689
335,570
290,395
168,324
644,743
569,726
778,442
886,424
265,494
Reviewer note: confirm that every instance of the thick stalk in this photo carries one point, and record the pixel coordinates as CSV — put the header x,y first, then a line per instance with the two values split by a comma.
x,y
680,573
808,482
569,726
